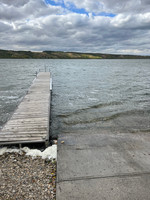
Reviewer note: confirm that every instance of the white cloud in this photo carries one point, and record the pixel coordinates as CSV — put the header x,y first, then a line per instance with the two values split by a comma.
x,y
20,10
113,6
90,6
34,25
16,3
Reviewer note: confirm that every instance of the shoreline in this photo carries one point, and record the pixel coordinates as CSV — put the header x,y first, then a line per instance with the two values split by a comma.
x,y
12,54
28,173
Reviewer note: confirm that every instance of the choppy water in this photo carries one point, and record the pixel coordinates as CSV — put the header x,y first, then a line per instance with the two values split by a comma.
x,y
88,95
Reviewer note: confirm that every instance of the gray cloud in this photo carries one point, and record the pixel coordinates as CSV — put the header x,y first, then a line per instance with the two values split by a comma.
x,y
16,3
114,6
26,9
34,25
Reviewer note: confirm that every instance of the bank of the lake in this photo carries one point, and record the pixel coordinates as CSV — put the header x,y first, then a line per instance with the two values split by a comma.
x,y
89,96
28,173
5,54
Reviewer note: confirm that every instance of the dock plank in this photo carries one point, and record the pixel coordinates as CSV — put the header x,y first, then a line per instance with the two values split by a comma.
x,y
30,121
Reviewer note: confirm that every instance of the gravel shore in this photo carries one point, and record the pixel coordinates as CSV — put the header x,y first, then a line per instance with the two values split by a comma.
x,y
25,178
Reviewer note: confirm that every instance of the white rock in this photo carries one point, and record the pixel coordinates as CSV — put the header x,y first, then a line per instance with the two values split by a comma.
x,y
6,150
48,153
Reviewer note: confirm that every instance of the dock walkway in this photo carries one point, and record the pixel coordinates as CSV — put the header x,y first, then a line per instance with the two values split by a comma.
x,y
30,121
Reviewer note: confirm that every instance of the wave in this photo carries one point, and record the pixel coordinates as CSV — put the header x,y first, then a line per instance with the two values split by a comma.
x,y
82,110
104,119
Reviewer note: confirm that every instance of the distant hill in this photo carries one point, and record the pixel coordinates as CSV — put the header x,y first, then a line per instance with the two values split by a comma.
x,y
63,55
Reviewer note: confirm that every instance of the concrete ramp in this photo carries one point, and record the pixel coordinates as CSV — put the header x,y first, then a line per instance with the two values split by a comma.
x,y
100,166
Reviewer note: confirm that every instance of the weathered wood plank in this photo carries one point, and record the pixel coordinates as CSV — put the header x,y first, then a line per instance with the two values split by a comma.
x,y
30,122
23,142
22,139
21,135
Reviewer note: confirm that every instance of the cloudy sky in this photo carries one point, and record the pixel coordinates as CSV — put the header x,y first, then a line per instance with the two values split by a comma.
x,y
104,26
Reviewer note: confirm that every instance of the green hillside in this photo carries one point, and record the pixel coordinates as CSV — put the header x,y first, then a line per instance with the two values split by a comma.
x,y
5,54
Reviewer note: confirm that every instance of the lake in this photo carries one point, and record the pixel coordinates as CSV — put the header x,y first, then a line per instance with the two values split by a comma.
x,y
88,95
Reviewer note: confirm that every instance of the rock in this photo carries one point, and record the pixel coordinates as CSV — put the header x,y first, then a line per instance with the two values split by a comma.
x,y
27,178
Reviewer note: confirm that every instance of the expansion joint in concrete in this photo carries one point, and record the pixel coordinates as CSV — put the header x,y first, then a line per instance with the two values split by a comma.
x,y
105,177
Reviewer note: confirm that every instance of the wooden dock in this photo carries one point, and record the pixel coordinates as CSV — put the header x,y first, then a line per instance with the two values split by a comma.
x,y
30,121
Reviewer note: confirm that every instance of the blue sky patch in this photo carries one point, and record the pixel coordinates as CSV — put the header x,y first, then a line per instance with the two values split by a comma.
x,y
104,14
53,3
72,8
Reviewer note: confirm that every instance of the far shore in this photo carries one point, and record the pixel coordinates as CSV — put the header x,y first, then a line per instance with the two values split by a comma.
x,y
11,54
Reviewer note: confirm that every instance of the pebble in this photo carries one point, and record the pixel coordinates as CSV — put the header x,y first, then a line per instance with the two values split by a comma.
x,y
25,178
